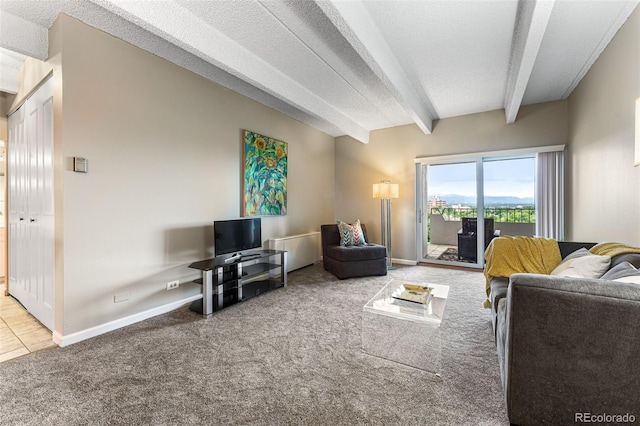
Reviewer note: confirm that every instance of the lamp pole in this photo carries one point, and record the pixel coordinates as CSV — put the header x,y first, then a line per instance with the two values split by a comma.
x,y
388,220
383,224
385,191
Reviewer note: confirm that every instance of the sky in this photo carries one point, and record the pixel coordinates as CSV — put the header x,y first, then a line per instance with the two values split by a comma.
x,y
513,178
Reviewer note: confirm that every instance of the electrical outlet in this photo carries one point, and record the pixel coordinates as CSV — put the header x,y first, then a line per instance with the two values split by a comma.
x,y
172,285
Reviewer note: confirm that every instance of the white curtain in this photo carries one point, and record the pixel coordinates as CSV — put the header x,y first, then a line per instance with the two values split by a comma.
x,y
550,195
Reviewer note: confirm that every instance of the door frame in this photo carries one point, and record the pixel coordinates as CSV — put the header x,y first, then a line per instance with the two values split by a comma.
x,y
4,216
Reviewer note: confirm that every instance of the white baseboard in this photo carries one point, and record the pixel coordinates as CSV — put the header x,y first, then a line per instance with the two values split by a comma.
x,y
393,260
404,261
79,336
97,330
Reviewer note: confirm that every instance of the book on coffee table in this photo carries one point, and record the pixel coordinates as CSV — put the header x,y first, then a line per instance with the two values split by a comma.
x,y
413,293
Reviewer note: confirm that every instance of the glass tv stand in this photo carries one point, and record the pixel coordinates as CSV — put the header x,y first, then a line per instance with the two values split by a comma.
x,y
226,280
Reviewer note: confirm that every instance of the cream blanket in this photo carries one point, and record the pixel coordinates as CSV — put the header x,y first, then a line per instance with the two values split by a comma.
x,y
510,255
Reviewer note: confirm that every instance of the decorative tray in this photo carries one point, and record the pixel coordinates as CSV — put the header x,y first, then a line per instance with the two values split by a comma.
x,y
413,293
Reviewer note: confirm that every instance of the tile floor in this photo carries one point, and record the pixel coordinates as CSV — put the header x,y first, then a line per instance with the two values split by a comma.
x,y
435,250
20,333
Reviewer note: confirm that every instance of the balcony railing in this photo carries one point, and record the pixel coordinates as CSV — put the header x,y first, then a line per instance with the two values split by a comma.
x,y
525,214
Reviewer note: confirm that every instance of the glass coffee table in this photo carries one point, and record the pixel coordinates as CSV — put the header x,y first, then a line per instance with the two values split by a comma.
x,y
403,331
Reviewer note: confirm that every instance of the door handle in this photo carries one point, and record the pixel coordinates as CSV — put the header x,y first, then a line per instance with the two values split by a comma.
x,y
32,220
21,219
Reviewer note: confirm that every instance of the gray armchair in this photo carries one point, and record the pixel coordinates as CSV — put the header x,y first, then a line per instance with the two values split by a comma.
x,y
353,261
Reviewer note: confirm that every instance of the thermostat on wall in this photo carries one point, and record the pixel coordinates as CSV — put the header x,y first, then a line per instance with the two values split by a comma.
x,y
80,164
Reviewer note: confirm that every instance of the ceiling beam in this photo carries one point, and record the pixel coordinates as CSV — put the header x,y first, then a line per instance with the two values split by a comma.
x,y
22,36
10,63
295,17
357,26
531,23
8,79
177,25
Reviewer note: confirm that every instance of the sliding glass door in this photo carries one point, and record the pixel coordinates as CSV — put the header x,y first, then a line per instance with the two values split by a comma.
x,y
450,201
509,197
452,195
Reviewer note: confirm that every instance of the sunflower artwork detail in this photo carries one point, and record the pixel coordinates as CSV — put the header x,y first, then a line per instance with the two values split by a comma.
x,y
265,163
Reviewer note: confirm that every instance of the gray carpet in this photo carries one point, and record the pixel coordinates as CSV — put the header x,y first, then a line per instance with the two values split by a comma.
x,y
291,356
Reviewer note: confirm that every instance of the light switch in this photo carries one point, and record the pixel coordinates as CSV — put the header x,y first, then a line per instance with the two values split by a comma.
x,y
80,164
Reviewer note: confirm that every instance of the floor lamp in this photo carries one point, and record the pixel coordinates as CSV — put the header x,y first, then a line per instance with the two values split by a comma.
x,y
385,191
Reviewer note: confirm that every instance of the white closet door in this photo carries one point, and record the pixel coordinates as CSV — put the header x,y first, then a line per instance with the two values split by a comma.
x,y
31,204
15,204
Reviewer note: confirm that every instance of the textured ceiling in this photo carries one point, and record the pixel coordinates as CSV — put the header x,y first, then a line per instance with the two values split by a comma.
x,y
349,67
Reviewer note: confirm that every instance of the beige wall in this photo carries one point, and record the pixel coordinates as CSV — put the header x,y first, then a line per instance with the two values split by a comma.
x,y
391,152
604,201
30,76
6,100
163,146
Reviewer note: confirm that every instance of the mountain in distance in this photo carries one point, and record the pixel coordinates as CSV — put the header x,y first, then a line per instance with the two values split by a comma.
x,y
465,200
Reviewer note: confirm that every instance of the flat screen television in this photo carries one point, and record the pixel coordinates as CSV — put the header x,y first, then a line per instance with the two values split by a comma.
x,y
236,235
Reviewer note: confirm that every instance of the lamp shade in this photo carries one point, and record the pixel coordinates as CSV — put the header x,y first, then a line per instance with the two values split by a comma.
x,y
385,189
637,156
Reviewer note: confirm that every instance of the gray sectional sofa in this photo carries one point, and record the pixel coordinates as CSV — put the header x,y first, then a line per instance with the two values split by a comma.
x,y
568,348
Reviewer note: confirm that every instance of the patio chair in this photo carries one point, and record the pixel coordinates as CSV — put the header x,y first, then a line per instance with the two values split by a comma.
x,y
468,237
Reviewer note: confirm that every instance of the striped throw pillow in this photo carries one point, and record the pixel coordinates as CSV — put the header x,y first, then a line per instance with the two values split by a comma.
x,y
351,235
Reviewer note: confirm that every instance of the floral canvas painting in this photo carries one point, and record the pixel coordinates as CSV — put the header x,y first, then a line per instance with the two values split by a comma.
x,y
265,163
